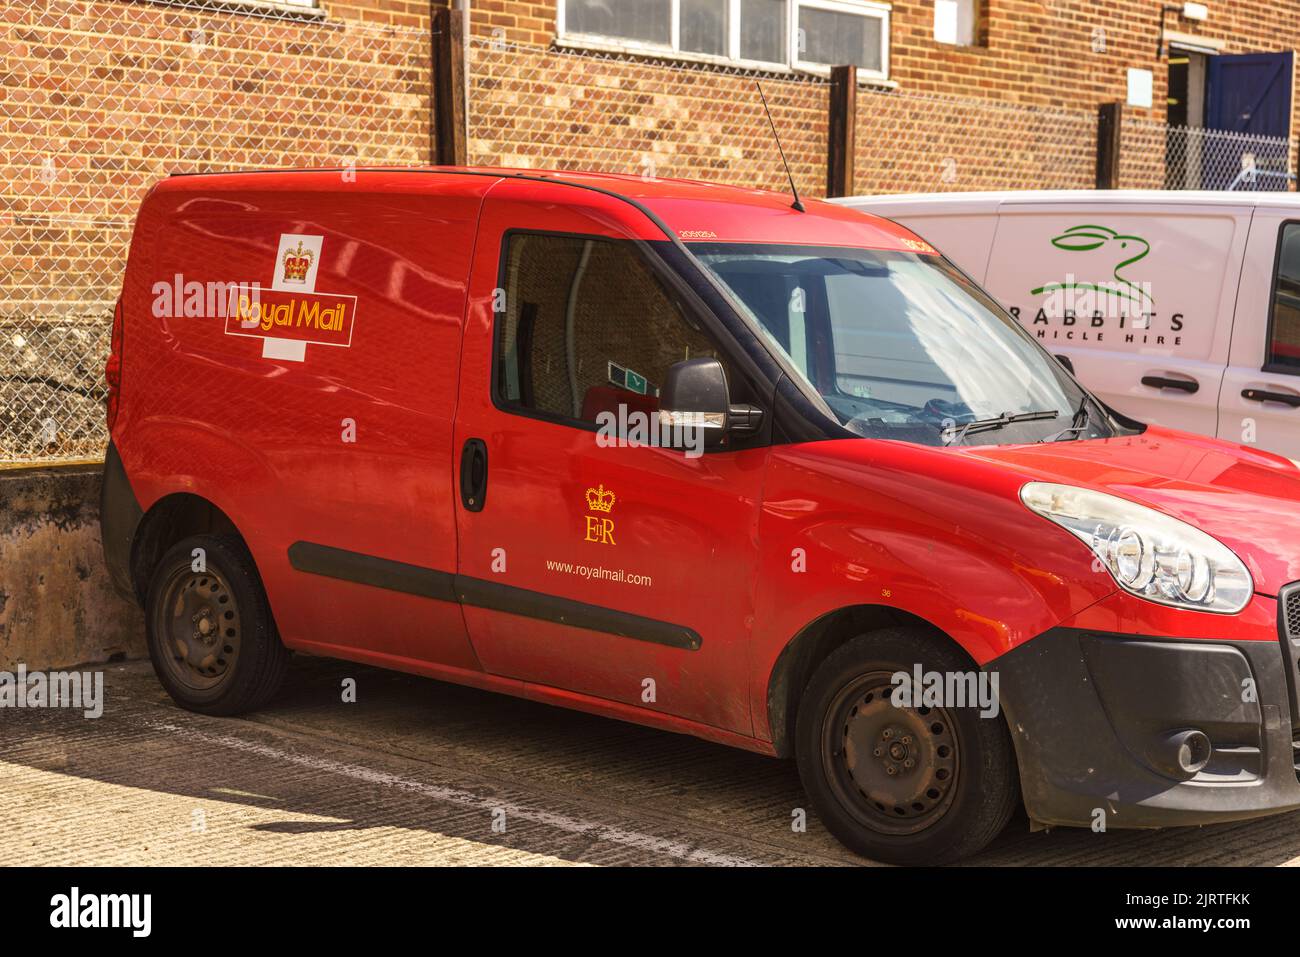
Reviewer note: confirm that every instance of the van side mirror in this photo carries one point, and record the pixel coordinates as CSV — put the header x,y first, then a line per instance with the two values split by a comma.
x,y
695,396
1065,361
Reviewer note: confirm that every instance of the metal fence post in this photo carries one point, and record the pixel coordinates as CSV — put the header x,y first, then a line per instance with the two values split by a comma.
x,y
842,128
1109,121
448,129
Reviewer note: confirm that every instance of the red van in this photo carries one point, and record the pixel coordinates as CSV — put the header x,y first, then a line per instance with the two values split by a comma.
x,y
688,456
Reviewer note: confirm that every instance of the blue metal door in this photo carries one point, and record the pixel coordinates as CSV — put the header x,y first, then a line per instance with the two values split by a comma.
x,y
1250,95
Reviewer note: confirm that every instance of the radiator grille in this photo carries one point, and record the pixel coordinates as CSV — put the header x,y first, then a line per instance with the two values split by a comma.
x,y
1288,627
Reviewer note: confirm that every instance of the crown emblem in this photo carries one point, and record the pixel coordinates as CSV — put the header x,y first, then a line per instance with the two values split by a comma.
x,y
599,500
297,262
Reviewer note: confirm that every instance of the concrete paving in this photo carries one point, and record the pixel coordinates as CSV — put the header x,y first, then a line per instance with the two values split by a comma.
x,y
420,772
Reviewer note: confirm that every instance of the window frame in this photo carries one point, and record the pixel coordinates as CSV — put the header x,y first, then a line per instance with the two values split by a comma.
x,y
878,9
867,9
1269,366
662,275
273,9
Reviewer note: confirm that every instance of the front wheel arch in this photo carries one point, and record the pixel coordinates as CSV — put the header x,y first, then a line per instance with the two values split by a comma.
x,y
812,645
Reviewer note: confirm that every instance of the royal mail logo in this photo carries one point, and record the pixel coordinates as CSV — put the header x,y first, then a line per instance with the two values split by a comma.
x,y
600,528
291,314
297,263
297,260
319,318
599,500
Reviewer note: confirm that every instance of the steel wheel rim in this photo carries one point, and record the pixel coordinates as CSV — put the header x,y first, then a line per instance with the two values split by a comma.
x,y
865,736
198,624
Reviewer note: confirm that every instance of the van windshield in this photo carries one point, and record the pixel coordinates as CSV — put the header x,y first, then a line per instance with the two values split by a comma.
x,y
903,346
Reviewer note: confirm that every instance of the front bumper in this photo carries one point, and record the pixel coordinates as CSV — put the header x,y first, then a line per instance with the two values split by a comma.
x,y
1092,714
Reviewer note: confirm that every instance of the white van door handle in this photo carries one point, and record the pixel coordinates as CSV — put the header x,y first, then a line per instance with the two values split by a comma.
x,y
1166,382
1264,395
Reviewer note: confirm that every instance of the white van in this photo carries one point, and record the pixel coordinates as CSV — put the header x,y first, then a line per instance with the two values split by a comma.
x,y
1177,308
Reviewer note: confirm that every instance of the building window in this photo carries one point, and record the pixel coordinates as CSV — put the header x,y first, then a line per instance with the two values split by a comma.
x,y
646,21
762,31
956,22
703,26
839,33
296,9
785,34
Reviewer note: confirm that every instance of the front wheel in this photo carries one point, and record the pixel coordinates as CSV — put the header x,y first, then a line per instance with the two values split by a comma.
x,y
902,784
212,639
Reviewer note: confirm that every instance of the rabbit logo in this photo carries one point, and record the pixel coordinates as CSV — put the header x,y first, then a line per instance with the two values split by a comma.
x,y
1126,248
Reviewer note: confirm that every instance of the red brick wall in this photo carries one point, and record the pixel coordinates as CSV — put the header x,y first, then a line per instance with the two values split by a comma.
x,y
1043,51
569,110
1034,51
101,98
946,128
537,108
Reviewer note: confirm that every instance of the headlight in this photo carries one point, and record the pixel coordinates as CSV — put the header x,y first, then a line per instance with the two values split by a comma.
x,y
1148,553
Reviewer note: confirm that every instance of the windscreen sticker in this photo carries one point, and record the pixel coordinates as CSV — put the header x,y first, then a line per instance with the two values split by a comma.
x,y
292,313
627,379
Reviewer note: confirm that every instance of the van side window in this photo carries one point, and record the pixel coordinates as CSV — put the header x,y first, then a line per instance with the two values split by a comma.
x,y
1284,329
586,327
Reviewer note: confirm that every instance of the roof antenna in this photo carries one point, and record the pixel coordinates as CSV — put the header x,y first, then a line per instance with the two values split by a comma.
x,y
796,204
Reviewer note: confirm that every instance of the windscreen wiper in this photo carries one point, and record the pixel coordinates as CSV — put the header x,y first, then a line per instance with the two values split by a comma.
x,y
1078,422
997,422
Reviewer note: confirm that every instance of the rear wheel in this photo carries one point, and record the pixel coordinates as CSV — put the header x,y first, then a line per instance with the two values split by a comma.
x,y
901,784
211,636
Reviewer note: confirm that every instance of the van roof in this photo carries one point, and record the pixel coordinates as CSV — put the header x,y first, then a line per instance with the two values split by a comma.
x,y
693,210
1107,197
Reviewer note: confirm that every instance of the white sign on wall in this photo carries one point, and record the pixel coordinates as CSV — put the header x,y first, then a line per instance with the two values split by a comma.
x,y
1140,84
954,22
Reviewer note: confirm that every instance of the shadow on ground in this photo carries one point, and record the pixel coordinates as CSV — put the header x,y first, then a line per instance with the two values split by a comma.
x,y
416,770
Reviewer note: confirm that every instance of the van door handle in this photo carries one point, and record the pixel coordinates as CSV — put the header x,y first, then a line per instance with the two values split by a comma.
x,y
1262,395
473,475
1164,382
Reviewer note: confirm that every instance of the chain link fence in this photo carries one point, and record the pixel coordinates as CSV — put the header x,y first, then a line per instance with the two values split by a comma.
x,y
1156,156
912,142
101,98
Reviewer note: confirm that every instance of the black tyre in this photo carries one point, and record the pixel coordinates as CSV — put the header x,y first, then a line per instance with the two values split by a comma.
x,y
212,639
903,785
